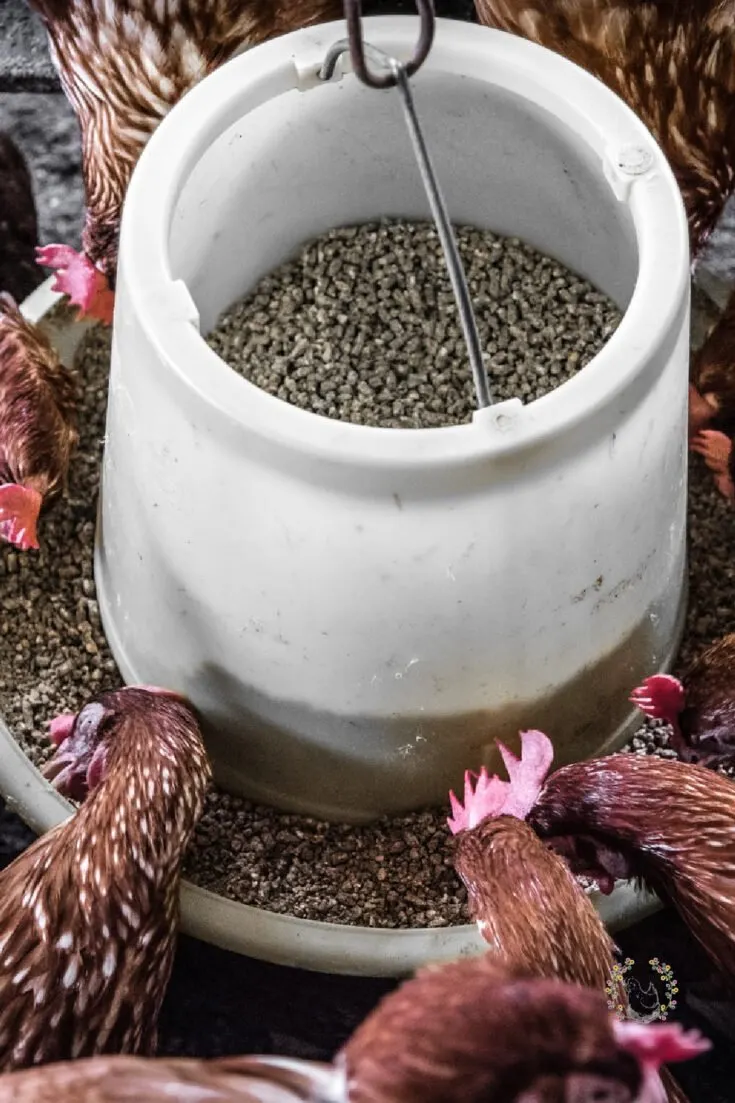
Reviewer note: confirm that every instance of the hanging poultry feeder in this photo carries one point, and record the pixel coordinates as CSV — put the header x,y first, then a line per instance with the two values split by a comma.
x,y
359,612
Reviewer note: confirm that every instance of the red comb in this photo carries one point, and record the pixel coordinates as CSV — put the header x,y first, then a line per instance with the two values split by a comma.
x,y
527,773
491,796
80,280
484,798
656,1044
661,696
19,509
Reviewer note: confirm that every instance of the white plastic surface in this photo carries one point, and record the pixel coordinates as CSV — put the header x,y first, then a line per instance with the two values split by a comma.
x,y
281,939
360,612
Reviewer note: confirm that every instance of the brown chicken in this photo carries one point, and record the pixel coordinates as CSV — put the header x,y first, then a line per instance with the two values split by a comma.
x,y
18,223
669,825
701,709
88,914
673,62
470,1031
123,64
527,904
37,424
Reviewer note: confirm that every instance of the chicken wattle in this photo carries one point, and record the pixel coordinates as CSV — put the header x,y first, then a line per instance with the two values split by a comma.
x,y
88,914
38,398
470,1031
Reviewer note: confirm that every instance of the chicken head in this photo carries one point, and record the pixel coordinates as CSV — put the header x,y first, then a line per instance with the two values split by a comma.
x,y
80,762
486,796
655,1048
700,708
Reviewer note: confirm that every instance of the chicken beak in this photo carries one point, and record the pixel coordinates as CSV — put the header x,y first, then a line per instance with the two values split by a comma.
x,y
56,766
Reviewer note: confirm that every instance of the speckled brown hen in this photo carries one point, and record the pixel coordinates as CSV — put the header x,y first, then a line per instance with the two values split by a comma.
x,y
123,64
700,708
469,1031
673,62
37,424
88,915
527,904
667,824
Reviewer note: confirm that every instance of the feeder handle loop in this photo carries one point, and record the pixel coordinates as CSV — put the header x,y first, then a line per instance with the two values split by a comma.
x,y
353,16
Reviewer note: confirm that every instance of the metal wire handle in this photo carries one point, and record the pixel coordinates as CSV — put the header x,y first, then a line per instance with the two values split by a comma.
x,y
438,207
355,46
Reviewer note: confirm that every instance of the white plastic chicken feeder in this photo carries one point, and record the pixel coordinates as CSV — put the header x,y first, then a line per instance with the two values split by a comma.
x,y
360,612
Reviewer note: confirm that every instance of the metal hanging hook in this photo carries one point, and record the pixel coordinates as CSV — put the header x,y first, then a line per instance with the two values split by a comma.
x,y
355,46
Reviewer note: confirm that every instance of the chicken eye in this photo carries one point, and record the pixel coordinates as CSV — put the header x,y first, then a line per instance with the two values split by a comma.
x,y
89,720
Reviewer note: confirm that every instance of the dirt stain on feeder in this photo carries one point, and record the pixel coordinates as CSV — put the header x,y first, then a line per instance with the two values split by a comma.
x,y
360,769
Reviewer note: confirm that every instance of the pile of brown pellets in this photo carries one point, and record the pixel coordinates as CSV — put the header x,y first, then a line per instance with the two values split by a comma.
x,y
362,326
393,873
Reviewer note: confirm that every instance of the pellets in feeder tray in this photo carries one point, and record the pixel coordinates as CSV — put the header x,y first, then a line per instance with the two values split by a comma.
x,y
362,326
393,873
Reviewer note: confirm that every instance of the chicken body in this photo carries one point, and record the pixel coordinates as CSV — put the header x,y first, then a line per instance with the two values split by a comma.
x,y
700,708
528,906
471,1031
531,910
88,914
673,63
37,424
134,1080
665,823
123,64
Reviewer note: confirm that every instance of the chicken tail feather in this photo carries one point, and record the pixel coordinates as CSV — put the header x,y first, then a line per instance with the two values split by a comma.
x,y
19,510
